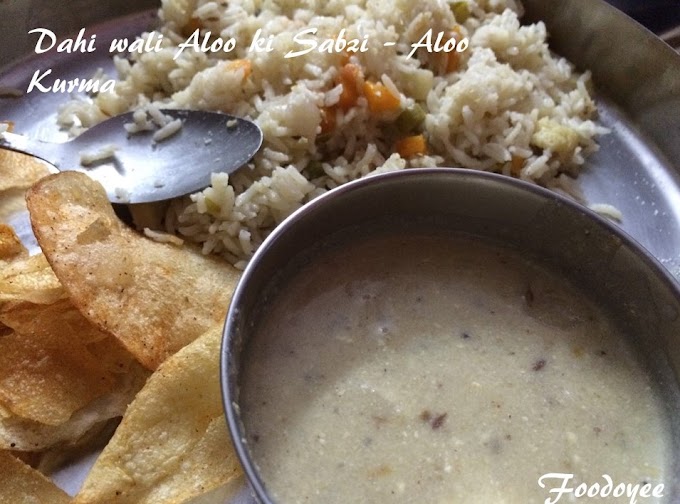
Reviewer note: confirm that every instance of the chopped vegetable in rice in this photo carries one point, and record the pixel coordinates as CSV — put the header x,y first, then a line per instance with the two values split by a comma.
x,y
504,104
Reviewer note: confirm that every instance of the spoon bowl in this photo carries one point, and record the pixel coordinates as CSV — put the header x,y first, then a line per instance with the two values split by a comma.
x,y
151,165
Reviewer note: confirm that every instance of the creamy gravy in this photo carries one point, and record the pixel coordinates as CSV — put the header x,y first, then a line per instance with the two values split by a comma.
x,y
442,370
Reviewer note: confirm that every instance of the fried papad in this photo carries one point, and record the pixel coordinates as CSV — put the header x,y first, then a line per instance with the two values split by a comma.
x,y
55,362
21,484
24,435
172,445
18,172
61,377
11,247
154,297
30,279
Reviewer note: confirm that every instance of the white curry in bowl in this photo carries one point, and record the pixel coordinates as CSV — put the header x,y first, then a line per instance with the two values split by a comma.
x,y
418,352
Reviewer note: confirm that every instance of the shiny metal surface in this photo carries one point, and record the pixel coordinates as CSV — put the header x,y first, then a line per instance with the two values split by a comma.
x,y
34,114
142,170
637,80
592,253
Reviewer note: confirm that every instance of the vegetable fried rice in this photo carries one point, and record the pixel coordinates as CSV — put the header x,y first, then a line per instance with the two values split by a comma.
x,y
500,101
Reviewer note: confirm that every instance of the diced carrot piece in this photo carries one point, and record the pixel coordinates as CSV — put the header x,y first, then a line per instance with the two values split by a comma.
x,y
350,75
344,58
192,25
380,98
327,120
452,58
516,165
411,146
452,61
10,125
240,64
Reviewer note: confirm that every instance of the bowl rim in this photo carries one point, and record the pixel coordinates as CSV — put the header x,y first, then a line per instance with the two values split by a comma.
x,y
231,406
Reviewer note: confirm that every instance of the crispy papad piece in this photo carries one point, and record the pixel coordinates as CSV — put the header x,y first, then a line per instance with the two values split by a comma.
x,y
21,484
24,435
55,362
20,171
11,247
12,204
30,279
154,297
11,250
172,445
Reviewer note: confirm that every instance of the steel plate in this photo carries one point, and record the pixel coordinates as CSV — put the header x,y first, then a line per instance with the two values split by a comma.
x,y
636,75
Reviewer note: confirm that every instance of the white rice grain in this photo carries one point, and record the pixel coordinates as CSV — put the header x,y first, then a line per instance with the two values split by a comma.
x,y
163,237
103,153
170,129
607,210
506,86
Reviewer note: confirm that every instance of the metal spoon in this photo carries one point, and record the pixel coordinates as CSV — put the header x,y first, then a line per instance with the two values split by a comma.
x,y
142,170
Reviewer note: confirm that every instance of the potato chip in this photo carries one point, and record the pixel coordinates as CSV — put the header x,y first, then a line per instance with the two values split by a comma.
x,y
4,412
12,203
173,445
19,434
30,279
154,297
11,247
56,362
20,484
20,171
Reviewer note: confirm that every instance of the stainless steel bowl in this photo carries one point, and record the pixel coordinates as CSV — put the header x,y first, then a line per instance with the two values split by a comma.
x,y
575,242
